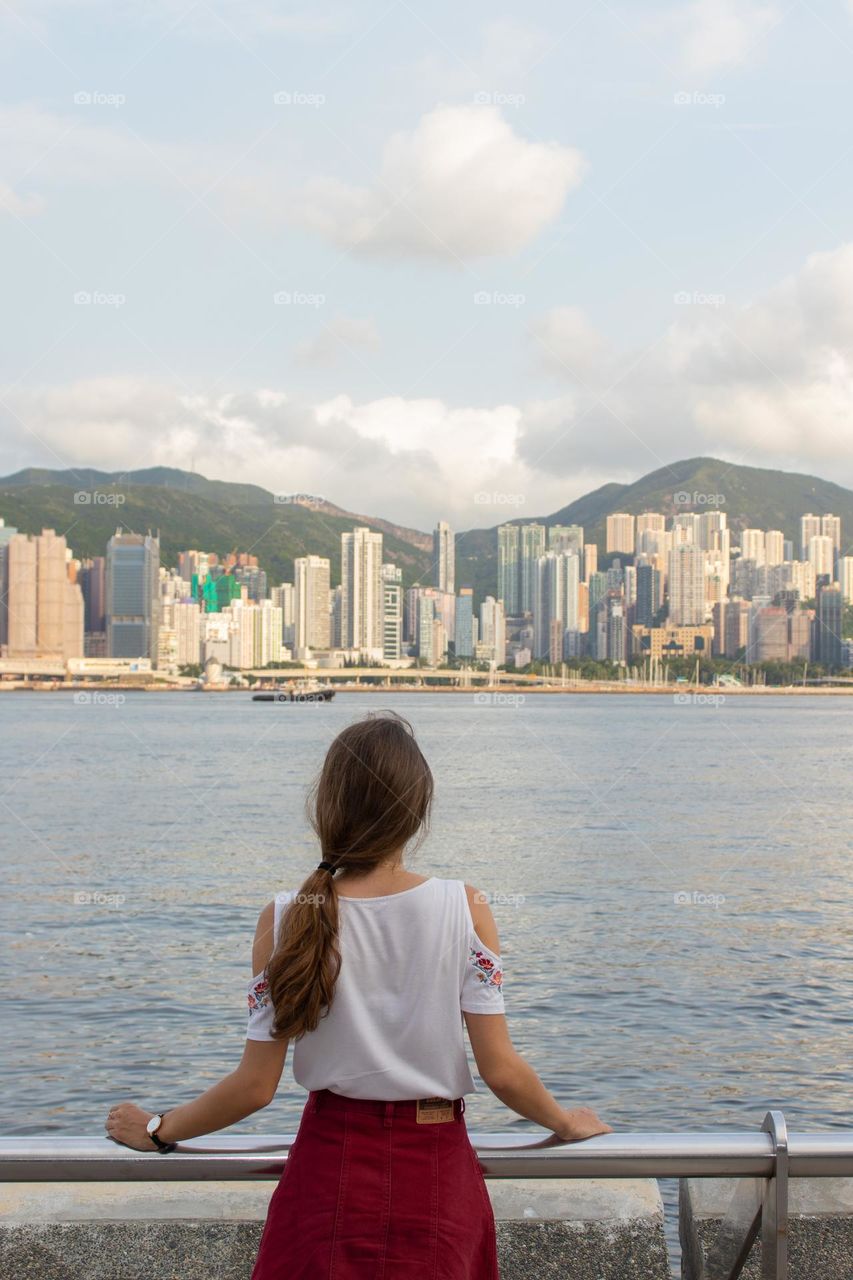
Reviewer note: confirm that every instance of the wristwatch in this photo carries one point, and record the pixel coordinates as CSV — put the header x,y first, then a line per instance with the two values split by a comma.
x,y
151,1128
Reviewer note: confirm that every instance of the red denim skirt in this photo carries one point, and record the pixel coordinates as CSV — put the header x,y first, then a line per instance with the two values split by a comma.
x,y
370,1193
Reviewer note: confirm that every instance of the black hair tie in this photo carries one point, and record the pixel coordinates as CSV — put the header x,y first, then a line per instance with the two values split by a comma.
x,y
327,866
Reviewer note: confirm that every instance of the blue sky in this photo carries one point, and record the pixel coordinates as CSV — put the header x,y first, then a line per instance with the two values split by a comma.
x,y
427,261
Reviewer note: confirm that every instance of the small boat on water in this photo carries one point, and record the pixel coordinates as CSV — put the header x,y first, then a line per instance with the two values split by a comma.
x,y
300,692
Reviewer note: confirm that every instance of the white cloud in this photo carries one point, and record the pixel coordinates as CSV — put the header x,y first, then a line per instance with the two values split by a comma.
x,y
22,206
717,35
408,460
461,185
771,382
342,334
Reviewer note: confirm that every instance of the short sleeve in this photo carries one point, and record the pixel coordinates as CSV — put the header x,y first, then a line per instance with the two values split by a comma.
x,y
261,1010
482,986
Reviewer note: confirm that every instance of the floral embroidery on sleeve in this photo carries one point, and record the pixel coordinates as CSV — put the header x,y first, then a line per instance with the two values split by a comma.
x,y
259,995
486,969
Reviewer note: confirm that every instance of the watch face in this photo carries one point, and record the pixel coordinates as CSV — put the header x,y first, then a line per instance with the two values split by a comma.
x,y
153,1124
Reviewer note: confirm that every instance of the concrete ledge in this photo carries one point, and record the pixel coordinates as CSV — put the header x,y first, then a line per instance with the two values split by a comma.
x,y
574,1230
820,1220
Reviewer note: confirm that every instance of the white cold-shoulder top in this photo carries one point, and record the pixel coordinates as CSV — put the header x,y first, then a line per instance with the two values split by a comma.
x,y
411,964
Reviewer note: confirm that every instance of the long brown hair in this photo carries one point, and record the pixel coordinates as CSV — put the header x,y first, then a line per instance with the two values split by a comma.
x,y
371,797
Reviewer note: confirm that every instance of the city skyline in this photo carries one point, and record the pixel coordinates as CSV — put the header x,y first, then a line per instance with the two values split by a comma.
x,y
667,588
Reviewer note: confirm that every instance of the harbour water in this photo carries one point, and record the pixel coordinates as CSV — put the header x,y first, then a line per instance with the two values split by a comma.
x,y
671,881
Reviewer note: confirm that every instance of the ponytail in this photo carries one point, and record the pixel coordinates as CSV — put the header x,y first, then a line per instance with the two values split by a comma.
x,y
372,796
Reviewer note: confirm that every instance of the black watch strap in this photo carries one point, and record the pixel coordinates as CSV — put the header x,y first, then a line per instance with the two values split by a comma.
x,y
162,1147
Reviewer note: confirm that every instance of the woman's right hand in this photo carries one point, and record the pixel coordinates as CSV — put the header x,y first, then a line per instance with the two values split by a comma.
x,y
580,1123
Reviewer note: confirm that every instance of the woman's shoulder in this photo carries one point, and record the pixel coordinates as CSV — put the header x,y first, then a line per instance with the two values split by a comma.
x,y
481,917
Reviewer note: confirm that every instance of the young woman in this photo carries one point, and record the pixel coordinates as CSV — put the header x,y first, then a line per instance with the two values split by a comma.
x,y
370,969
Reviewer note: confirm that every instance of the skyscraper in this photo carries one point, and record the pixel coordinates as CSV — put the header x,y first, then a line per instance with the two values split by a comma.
x,y
821,555
311,618
493,629
133,595
686,573
444,557
828,645
774,547
556,604
465,623
753,546
532,547
361,590
620,533
649,593
810,527
392,611
41,609
509,575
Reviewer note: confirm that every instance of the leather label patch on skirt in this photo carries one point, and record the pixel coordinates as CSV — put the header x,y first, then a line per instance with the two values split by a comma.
x,y
434,1110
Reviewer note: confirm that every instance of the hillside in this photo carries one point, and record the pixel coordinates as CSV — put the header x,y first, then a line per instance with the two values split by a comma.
x,y
216,515
753,497
191,511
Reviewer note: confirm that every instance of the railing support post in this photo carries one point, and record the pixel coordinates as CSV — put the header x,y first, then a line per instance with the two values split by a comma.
x,y
774,1208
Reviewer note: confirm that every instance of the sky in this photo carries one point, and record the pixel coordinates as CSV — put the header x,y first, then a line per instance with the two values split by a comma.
x,y
427,261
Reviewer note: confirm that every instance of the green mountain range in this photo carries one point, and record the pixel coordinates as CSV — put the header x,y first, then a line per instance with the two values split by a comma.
x,y
216,515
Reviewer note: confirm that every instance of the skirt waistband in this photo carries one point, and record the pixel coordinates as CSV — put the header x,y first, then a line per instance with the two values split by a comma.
x,y
325,1099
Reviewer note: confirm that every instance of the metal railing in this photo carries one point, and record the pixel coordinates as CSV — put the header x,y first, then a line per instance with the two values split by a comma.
x,y
764,1160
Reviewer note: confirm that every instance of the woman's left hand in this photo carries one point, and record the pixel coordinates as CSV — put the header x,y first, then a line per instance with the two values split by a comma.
x,y
126,1124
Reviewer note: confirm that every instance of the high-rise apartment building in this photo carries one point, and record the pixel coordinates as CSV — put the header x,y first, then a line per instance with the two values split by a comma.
x,y
810,527
509,571
311,617
492,629
753,546
361,591
686,577
845,578
392,612
821,555
556,604
774,545
565,537
620,533
533,537
41,609
444,557
650,522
